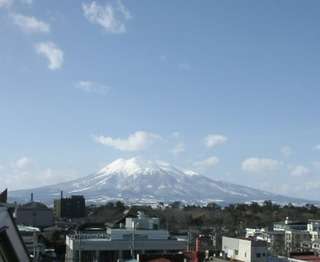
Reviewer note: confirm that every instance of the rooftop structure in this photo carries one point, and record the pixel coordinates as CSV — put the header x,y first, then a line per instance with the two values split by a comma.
x,y
139,235
244,249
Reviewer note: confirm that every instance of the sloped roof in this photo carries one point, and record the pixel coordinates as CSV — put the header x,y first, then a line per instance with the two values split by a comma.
x,y
36,205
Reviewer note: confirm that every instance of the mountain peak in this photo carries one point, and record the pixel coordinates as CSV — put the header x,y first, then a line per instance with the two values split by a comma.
x,y
138,180
132,165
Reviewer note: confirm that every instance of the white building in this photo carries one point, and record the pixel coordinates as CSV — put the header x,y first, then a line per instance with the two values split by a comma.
x,y
30,238
244,249
314,228
139,236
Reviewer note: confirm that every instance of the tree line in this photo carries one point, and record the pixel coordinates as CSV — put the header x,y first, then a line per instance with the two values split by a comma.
x,y
175,216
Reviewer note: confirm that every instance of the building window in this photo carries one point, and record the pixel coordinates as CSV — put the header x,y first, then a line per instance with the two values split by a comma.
x,y
258,255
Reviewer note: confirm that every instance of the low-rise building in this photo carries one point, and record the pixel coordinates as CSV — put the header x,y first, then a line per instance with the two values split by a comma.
x,y
30,238
139,235
34,214
244,249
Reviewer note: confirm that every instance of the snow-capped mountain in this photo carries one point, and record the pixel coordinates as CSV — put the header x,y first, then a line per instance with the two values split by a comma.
x,y
140,181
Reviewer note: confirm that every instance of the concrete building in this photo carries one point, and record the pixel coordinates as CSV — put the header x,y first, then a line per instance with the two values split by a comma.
x,y
34,214
314,228
30,238
73,207
275,239
139,235
296,234
244,249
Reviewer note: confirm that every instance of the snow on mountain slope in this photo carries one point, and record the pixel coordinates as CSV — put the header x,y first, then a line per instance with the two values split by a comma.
x,y
138,180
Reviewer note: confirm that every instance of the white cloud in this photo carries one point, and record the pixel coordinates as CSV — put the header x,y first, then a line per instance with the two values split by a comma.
x,y
30,24
5,3
184,66
112,17
135,142
213,140
176,134
50,51
24,162
258,165
300,171
179,148
22,179
210,161
89,86
316,147
26,173
286,151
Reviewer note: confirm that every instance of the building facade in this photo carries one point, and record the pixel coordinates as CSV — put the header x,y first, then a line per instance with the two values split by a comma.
x,y
244,249
73,207
138,236
34,214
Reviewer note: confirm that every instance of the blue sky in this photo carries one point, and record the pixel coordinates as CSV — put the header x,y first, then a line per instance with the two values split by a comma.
x,y
226,88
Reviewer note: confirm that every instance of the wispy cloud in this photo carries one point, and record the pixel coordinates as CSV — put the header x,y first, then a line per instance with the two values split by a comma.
x,y
138,141
163,58
89,86
258,165
210,161
22,173
52,53
29,2
300,171
286,151
213,140
316,147
5,3
184,66
29,24
24,162
176,134
179,148
112,17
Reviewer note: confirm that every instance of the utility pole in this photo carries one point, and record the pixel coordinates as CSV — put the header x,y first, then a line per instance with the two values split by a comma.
x,y
133,239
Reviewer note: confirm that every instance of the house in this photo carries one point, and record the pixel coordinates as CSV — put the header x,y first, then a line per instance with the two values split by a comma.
x,y
140,235
12,248
244,249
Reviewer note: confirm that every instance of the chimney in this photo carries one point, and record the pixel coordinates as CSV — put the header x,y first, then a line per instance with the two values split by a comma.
x,y
61,194
31,197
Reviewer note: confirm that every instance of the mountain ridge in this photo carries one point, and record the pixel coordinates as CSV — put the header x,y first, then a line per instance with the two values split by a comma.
x,y
141,181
